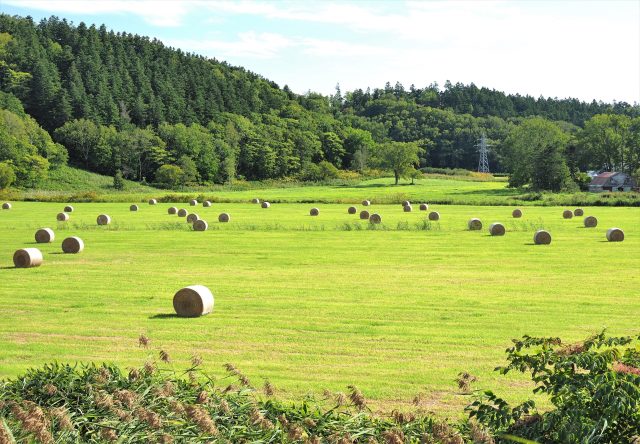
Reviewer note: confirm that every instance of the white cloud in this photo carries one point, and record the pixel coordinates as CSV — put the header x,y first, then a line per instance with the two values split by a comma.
x,y
158,13
248,45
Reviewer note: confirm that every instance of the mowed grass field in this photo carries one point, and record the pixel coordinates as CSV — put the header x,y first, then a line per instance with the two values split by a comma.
x,y
317,302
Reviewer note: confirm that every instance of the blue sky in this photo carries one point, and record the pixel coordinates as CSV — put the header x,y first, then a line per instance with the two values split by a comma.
x,y
582,49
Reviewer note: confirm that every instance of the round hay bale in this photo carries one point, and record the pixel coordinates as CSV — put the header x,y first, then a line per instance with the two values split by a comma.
x,y
200,225
474,224
352,210
364,214
434,215
45,235
62,217
578,212
590,222
366,203
6,206
496,229
424,207
193,301
172,210
542,237
407,208
224,217
375,218
72,245
182,212
152,201
193,202
517,213
206,204
27,258
615,235
567,214
103,219
192,218
266,204
405,203
133,208
314,212
255,200
68,209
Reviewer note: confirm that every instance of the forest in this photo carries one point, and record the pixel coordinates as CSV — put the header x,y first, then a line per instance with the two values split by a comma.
x,y
126,105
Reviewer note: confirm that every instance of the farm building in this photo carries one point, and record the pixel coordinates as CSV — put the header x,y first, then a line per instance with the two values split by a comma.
x,y
611,181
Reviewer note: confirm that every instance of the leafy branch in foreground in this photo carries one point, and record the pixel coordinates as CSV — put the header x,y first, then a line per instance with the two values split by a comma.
x,y
594,386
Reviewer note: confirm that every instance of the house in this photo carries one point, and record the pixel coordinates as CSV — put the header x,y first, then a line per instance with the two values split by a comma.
x,y
611,181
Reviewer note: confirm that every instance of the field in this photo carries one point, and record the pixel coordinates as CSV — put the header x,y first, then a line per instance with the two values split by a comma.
x,y
317,302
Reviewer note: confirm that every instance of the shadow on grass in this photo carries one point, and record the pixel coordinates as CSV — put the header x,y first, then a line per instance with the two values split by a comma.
x,y
163,316
7,268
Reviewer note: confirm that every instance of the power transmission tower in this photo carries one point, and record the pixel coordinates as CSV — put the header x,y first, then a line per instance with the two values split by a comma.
x,y
483,147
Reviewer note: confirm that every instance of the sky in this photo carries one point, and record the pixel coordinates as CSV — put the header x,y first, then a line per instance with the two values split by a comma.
x,y
582,49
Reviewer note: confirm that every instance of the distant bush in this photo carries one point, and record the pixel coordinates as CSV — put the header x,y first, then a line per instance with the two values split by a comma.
x,y
446,171
7,175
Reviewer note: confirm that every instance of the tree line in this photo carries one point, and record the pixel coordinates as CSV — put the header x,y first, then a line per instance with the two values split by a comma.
x,y
125,104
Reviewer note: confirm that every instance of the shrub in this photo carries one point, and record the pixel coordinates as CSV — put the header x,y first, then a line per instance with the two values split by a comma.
x,y
118,181
169,176
7,175
594,386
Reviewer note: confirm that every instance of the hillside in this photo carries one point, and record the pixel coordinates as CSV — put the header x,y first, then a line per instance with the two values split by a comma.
x,y
123,103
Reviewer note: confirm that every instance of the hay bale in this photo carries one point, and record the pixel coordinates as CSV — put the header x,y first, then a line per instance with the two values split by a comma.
x,y
517,213
314,212
103,219
366,203
152,201
405,203
62,217
497,229
206,203
567,214
266,204
255,200
224,217
133,208
474,224
200,225
193,202
172,210
615,235
68,209
45,236
434,215
27,258
542,237
72,245
407,208
193,301
375,218
364,214
590,222
182,212
352,210
192,218
424,207
578,212
6,206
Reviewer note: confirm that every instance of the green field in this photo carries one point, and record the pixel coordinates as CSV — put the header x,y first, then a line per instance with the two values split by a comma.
x,y
317,302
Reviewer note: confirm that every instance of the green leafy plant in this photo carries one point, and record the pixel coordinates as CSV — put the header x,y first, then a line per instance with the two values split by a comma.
x,y
594,386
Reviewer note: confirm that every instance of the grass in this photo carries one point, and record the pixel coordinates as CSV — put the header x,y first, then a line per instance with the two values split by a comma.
x,y
307,303
69,184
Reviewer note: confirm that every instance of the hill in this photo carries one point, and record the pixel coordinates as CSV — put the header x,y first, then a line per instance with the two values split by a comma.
x,y
126,103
